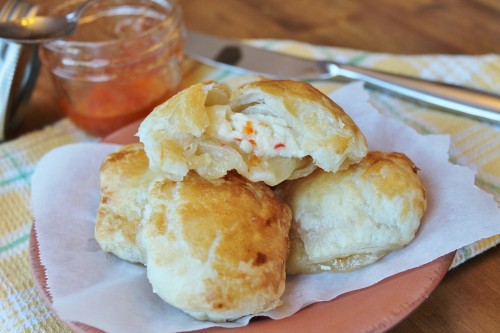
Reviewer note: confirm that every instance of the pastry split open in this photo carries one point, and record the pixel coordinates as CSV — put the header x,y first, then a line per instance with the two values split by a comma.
x,y
266,130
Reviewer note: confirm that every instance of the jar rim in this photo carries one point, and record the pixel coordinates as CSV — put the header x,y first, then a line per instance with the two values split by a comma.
x,y
174,21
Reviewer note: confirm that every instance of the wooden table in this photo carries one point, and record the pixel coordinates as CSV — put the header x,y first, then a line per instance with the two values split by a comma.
x,y
468,299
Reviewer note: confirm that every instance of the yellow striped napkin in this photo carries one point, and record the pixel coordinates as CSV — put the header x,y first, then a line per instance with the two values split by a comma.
x,y
474,144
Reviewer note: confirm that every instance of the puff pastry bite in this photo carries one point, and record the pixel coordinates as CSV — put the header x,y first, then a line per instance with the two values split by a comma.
x,y
125,178
345,220
266,130
215,249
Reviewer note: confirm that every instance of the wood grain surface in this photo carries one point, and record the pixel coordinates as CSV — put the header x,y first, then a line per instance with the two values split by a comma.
x,y
468,299
411,26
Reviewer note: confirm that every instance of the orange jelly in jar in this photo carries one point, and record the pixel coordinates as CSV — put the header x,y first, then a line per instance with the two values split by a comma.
x,y
123,60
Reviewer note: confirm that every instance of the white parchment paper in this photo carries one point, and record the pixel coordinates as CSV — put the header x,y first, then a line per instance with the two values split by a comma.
x,y
103,291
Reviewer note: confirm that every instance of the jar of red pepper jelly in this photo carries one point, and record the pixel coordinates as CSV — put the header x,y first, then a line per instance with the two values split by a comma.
x,y
123,60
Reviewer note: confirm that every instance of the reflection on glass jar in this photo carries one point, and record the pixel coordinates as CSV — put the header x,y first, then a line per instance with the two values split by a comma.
x,y
124,59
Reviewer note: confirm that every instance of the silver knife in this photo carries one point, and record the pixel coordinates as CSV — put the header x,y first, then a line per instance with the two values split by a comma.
x,y
232,54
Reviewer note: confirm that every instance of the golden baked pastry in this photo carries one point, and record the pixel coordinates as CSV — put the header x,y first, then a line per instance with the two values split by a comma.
x,y
125,178
266,130
216,249
345,220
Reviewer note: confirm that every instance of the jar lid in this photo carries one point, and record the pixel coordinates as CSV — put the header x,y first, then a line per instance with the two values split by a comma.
x,y
19,67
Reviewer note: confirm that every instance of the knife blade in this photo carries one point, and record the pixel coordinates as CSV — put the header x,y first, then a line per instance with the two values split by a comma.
x,y
236,56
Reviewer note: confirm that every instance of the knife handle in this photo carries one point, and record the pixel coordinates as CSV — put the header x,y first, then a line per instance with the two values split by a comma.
x,y
461,100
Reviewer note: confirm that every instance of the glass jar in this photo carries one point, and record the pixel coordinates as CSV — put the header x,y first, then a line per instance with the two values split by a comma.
x,y
123,60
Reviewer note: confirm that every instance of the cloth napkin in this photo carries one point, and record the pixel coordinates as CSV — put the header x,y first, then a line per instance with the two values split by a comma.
x,y
473,143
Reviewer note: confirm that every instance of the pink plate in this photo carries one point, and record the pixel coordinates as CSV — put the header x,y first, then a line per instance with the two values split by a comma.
x,y
373,309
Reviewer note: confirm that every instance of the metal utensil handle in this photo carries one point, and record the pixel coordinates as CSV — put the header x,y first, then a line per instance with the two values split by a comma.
x,y
458,99
75,14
